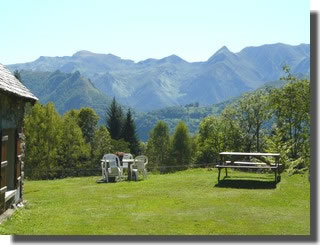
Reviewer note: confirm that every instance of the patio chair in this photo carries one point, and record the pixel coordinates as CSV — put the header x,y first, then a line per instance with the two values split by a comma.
x,y
111,168
139,165
125,157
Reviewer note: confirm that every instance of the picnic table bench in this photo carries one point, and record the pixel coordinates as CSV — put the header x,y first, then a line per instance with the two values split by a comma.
x,y
264,164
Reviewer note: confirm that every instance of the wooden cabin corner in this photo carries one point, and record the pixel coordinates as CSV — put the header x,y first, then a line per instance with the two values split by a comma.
x,y
13,98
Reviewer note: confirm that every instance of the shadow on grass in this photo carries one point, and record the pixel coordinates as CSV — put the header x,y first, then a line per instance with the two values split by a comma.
x,y
105,182
252,177
246,184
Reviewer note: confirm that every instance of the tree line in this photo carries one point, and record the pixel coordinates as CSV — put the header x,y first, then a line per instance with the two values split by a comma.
x,y
73,144
267,120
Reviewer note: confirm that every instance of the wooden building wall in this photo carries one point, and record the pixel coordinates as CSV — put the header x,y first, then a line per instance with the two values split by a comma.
x,y
11,123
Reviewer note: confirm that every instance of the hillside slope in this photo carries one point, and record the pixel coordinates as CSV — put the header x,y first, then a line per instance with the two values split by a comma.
x,y
66,90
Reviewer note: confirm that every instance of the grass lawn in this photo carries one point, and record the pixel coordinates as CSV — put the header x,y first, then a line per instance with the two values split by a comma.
x,y
187,202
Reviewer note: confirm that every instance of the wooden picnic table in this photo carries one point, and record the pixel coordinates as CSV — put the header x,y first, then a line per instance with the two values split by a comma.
x,y
235,163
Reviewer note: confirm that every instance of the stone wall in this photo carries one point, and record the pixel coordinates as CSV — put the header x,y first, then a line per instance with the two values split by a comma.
x,y
23,150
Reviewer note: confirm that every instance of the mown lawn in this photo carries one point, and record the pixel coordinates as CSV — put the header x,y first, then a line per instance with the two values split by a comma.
x,y
187,202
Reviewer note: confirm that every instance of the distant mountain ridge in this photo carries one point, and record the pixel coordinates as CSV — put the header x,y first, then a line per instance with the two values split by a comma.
x,y
171,81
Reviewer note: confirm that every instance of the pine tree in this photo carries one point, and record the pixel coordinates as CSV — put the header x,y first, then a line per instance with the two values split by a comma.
x,y
129,134
114,120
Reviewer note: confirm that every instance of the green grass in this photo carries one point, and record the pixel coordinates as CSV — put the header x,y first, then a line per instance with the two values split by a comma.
x,y
187,202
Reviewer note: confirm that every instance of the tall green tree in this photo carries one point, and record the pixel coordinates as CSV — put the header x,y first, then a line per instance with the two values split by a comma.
x,y
129,134
252,113
181,147
74,153
240,127
291,105
158,146
233,130
88,120
114,120
101,145
212,139
43,137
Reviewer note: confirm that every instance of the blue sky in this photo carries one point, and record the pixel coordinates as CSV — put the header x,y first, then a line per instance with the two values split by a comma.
x,y
141,29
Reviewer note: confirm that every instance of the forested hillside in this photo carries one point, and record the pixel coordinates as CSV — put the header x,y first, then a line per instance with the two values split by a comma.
x,y
72,91
191,114
266,120
53,87
67,91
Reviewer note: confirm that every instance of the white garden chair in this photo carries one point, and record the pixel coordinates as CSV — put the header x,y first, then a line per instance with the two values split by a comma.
x,y
139,165
111,168
126,156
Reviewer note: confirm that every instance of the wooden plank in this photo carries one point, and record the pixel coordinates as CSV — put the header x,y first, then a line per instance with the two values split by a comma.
x,y
249,154
9,195
5,138
3,189
4,164
250,163
248,167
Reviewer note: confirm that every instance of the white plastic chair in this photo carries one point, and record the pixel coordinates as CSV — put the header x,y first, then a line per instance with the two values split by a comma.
x,y
139,165
111,168
125,157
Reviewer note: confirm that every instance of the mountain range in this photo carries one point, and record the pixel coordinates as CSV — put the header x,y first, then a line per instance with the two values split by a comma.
x,y
159,83
168,89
